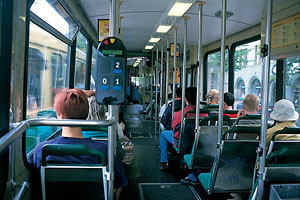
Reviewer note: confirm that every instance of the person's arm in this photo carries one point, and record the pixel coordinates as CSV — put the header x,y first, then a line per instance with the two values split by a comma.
x,y
242,113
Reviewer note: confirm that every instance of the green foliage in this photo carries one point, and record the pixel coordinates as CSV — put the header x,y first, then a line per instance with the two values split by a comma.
x,y
292,68
240,59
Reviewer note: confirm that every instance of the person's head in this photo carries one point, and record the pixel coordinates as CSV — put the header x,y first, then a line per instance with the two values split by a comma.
x,y
251,104
284,110
212,96
191,95
228,101
178,92
71,104
170,95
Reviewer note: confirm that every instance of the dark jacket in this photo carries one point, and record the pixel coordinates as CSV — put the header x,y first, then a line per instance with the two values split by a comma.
x,y
166,119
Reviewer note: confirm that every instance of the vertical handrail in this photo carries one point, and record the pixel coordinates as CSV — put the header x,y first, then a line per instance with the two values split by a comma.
x,y
221,99
199,61
183,81
221,95
265,84
167,73
156,103
161,75
111,150
112,109
174,71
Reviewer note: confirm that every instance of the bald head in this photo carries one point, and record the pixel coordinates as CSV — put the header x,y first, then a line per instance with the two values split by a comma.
x,y
251,103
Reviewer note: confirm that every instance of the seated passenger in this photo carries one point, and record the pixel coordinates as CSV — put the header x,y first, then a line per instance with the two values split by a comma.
x,y
73,104
164,107
250,107
284,115
228,103
213,96
166,119
169,136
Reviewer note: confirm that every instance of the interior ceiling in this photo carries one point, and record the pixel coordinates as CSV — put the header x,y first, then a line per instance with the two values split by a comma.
x,y
140,18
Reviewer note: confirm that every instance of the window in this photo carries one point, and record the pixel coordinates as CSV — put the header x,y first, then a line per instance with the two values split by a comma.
x,y
47,71
80,65
213,71
54,14
247,71
240,89
94,69
272,83
292,82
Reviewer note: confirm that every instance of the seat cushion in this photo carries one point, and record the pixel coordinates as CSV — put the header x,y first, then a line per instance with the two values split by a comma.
x,y
204,179
188,160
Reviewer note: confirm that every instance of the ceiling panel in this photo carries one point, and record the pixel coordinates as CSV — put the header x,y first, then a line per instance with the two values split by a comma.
x,y
142,16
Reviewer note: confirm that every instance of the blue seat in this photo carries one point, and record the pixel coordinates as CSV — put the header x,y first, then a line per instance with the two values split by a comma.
x,y
233,168
76,181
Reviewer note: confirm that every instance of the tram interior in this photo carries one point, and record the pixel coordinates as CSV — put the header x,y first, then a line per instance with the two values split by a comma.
x,y
59,42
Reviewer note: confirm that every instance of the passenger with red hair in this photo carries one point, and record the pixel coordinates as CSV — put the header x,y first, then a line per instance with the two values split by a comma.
x,y
73,104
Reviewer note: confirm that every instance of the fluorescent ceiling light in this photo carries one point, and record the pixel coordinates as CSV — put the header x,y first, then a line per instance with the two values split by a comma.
x,y
163,28
179,8
148,47
154,40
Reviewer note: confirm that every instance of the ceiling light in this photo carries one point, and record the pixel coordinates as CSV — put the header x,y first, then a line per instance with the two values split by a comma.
x,y
163,28
148,47
179,8
154,40
135,64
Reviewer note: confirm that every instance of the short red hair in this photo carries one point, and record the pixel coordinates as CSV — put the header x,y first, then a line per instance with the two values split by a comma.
x,y
71,104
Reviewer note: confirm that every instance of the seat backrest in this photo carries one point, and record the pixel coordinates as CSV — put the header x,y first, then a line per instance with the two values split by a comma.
x,y
212,120
234,166
188,135
283,162
250,119
243,132
205,149
211,107
69,178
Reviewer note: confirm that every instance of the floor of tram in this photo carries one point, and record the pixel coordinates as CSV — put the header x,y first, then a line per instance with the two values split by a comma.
x,y
146,180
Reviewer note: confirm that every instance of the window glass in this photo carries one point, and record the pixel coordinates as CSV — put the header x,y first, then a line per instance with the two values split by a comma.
x,y
213,71
47,72
94,69
54,14
272,83
292,82
247,71
80,65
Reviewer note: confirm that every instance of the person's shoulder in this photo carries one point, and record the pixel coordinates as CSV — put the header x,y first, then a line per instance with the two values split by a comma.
x,y
40,145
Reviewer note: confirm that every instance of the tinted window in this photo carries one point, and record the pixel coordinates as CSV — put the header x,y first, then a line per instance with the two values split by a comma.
x,y
247,71
94,68
80,65
292,82
213,71
47,72
54,14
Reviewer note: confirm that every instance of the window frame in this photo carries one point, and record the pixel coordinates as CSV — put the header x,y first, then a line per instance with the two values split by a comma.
x,y
71,57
